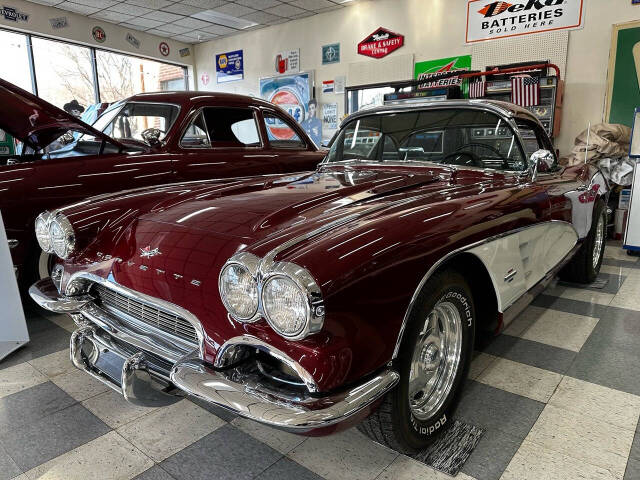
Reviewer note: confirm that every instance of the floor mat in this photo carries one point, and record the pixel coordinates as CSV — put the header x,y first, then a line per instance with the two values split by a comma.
x,y
455,445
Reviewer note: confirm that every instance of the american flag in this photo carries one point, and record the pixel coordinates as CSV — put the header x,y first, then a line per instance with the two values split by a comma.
x,y
477,89
525,90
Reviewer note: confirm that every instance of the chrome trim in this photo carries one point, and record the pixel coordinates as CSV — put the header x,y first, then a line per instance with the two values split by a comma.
x,y
46,295
250,262
510,274
13,243
247,399
46,217
67,231
225,357
447,257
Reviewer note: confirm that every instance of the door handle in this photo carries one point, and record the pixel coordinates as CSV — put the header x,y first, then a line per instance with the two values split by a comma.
x,y
582,188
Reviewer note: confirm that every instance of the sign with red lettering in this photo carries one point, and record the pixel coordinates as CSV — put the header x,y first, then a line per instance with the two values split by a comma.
x,y
487,20
380,43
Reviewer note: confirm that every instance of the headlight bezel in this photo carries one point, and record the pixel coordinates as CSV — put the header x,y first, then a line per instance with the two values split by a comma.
x,y
68,234
250,263
45,219
262,274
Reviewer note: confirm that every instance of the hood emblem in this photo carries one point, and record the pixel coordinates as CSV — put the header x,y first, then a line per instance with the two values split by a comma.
x,y
146,252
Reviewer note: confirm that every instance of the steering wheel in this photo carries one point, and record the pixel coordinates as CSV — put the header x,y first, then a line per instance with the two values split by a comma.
x,y
505,161
474,159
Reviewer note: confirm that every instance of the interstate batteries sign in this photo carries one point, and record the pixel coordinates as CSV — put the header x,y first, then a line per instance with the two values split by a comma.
x,y
380,43
488,20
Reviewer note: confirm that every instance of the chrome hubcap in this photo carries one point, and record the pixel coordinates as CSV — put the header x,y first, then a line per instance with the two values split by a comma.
x,y
435,361
599,241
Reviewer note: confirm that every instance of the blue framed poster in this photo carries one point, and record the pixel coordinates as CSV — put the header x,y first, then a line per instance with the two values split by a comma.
x,y
230,66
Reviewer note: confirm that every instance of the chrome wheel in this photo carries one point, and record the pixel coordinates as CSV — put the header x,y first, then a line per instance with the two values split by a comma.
x,y
435,361
598,242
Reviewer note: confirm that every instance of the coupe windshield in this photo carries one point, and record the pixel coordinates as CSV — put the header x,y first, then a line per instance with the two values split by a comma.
x,y
127,121
449,136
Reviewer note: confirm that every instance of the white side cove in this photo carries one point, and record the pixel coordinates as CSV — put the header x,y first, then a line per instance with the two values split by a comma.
x,y
517,261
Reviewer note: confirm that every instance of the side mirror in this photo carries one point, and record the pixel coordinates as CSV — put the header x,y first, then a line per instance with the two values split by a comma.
x,y
151,136
541,160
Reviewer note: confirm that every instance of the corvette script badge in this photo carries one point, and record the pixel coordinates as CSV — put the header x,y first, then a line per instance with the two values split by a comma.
x,y
146,252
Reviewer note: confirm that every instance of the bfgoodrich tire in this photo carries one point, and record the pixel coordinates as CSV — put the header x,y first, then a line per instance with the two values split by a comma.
x,y
433,362
585,265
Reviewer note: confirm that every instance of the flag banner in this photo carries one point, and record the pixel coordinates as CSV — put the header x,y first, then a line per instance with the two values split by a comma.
x,y
525,90
477,89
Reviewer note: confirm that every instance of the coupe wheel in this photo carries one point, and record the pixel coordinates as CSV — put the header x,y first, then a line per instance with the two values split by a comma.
x,y
433,362
585,265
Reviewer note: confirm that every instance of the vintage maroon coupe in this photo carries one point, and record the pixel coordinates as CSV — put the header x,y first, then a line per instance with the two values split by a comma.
x,y
148,139
350,294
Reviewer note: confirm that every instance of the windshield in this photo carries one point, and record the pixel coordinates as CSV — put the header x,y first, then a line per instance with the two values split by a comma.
x,y
465,137
127,121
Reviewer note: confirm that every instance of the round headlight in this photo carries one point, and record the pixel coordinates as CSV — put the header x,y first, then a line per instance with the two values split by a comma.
x,y
239,291
63,239
285,305
42,232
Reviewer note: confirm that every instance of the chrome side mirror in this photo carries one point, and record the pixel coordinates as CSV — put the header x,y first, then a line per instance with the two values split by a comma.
x,y
540,158
151,136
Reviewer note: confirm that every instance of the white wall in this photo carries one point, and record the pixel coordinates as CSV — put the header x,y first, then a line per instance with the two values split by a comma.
x,y
432,29
79,31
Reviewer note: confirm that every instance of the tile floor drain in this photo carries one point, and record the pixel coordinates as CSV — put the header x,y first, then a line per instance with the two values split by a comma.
x,y
455,445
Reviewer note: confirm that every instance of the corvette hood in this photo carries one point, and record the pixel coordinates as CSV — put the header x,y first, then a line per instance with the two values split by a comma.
x,y
35,121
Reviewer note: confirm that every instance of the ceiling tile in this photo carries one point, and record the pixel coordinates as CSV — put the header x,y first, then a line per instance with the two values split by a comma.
x,y
182,9
218,29
285,10
312,4
160,33
163,17
234,10
205,4
191,22
184,38
47,2
127,9
132,27
262,17
153,4
259,4
113,17
144,22
175,29
96,3
307,13
77,8
202,36
328,9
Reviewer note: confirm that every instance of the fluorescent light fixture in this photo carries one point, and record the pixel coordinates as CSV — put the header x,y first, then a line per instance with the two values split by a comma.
x,y
222,19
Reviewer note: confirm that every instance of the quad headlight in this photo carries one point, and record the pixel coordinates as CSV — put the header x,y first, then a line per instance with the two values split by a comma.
x,y
286,295
55,234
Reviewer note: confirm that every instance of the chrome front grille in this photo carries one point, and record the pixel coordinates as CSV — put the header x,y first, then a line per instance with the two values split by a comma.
x,y
145,313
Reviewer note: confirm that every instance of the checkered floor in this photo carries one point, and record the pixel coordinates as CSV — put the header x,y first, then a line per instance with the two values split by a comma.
x,y
558,394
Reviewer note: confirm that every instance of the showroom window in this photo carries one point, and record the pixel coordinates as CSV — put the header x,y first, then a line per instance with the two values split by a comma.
x,y
280,132
15,59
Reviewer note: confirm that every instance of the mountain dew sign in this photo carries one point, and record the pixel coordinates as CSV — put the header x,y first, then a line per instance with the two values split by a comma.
x,y
425,70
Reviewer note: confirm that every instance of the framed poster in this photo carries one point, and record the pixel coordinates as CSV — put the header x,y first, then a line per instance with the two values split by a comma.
x,y
623,81
229,66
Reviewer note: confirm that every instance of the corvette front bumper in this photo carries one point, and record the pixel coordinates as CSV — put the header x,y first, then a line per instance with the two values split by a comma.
x,y
112,354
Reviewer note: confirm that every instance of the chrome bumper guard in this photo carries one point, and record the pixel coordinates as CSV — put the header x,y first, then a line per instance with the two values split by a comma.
x,y
118,362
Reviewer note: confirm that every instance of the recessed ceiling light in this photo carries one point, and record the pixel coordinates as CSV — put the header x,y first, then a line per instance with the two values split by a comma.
x,y
222,19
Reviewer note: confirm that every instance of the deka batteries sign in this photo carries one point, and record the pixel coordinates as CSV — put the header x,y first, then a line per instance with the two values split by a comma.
x,y
488,20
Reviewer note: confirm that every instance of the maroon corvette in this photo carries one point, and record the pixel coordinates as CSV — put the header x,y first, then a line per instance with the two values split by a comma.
x,y
349,295
148,139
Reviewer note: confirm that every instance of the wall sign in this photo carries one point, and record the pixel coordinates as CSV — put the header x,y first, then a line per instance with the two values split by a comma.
x,y
99,34
133,40
340,84
623,81
330,115
164,49
184,52
230,66
425,70
290,92
380,43
288,61
489,20
59,22
12,14
328,86
204,78
331,54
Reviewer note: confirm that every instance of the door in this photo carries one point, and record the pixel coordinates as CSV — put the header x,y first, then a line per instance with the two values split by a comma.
x,y
224,142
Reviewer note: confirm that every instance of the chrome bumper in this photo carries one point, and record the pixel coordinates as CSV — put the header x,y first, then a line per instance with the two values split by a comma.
x,y
144,379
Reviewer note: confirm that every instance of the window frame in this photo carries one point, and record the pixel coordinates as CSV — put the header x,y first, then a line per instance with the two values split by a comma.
x,y
296,128
200,110
142,102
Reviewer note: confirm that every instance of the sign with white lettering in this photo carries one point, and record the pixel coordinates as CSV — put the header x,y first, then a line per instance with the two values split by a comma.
x,y
380,43
488,20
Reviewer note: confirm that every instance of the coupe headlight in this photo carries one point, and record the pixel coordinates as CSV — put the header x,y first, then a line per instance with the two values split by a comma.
x,y
239,291
42,232
63,239
285,306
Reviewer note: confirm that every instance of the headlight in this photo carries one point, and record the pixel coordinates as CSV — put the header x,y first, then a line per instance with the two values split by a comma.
x,y
42,231
239,290
63,239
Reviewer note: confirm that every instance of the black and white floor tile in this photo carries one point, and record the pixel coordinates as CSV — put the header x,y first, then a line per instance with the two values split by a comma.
x,y
557,394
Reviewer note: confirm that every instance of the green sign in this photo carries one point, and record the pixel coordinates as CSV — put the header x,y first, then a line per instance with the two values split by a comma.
x,y
6,144
624,77
424,70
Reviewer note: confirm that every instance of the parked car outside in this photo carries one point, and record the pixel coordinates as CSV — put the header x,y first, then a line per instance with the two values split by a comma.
x,y
350,295
147,139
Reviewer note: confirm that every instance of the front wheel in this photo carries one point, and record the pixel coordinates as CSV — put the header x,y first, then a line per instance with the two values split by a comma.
x,y
433,363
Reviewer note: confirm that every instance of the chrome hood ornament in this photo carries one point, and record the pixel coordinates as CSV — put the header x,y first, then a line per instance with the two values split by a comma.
x,y
146,252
